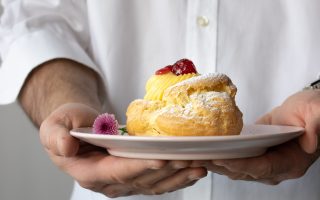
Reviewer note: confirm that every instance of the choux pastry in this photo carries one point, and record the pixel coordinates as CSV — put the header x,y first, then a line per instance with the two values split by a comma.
x,y
181,102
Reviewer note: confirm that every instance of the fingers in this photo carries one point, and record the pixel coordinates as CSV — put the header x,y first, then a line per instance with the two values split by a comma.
x,y
301,109
239,168
309,140
236,169
286,161
54,131
180,180
270,166
116,176
239,175
153,176
95,169
57,140
127,169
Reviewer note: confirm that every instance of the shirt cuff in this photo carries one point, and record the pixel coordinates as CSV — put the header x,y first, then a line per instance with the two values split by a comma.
x,y
30,51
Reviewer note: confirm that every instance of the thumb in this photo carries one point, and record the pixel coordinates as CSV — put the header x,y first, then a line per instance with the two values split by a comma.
x,y
309,141
54,131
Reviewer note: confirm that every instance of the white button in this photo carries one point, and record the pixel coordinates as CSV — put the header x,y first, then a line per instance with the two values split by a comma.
x,y
202,21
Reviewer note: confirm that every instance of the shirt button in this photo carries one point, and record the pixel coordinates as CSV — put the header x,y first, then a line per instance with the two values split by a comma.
x,y
202,21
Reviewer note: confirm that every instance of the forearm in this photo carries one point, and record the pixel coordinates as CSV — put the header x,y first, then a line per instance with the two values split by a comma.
x,y
58,82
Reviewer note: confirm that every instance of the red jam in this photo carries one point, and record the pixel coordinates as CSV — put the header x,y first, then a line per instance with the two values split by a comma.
x,y
164,70
183,66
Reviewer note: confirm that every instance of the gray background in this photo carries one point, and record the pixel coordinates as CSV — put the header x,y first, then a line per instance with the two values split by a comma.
x,y
26,171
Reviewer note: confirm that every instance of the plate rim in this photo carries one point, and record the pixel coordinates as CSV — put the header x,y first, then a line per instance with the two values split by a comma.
x,y
296,131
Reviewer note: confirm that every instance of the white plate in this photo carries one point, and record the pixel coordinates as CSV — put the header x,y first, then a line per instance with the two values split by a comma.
x,y
253,141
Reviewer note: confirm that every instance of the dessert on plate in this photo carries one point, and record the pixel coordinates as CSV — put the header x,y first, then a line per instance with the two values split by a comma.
x,y
181,102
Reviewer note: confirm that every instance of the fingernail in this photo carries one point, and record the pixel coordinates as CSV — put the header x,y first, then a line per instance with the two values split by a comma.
x,y
178,166
157,164
155,167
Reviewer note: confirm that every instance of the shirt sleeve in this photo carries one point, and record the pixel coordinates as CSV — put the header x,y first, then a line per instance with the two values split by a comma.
x,y
35,31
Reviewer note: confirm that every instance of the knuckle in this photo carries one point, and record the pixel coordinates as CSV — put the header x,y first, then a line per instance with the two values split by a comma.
x,y
64,118
157,164
49,142
298,173
202,172
179,164
90,185
112,193
198,172
116,179
156,191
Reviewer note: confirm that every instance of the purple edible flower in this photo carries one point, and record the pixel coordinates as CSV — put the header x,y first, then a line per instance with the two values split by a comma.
x,y
106,124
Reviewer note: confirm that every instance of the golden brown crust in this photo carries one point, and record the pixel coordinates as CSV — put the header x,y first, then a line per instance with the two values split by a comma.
x,y
199,106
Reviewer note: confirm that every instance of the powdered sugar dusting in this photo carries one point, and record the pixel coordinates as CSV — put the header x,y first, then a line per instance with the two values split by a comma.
x,y
205,100
201,101
177,110
210,77
210,98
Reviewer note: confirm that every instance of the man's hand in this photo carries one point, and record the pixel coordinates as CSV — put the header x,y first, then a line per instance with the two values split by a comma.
x,y
286,161
62,95
96,170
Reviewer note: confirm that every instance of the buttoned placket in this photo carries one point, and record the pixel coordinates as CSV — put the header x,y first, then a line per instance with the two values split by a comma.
x,y
201,47
201,39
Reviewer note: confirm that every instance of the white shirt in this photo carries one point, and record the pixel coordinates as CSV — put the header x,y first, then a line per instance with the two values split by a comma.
x,y
270,49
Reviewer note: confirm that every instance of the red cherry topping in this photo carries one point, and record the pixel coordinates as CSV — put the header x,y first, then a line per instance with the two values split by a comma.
x,y
183,66
164,70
